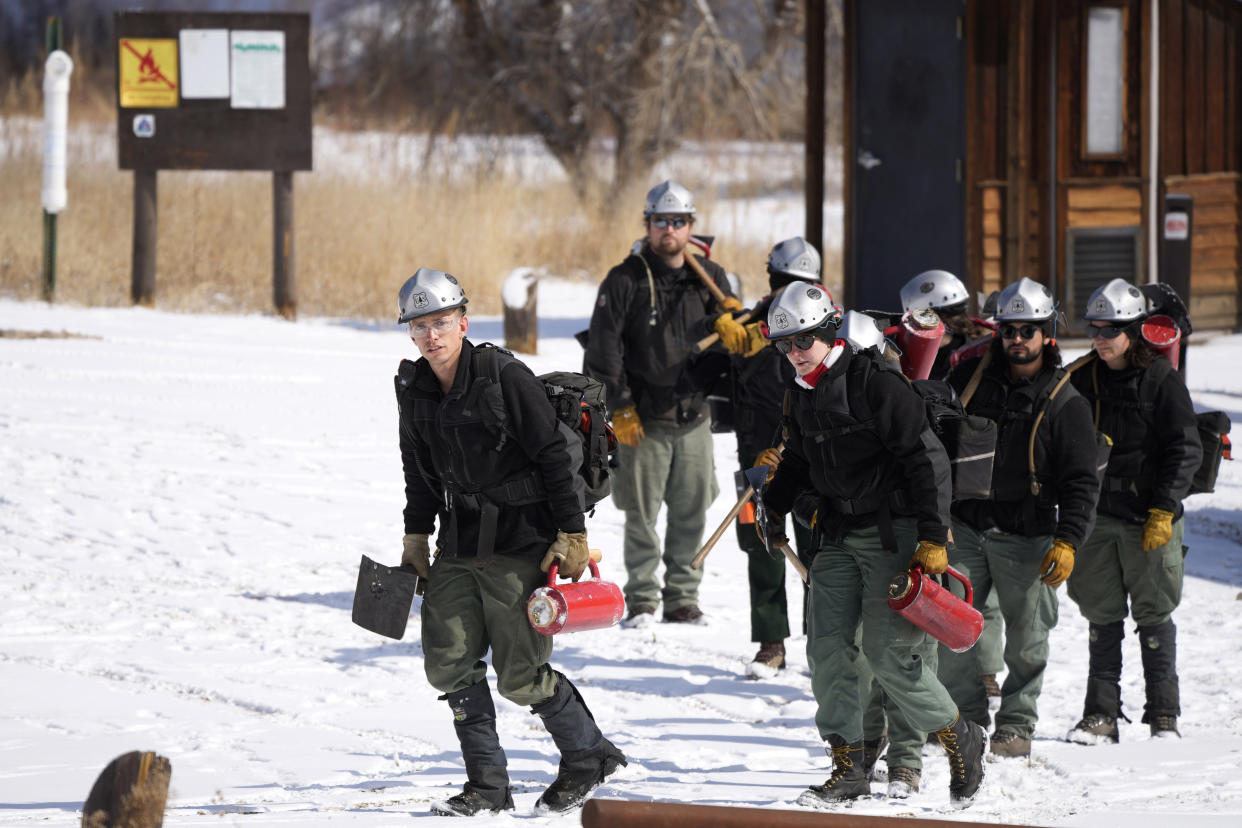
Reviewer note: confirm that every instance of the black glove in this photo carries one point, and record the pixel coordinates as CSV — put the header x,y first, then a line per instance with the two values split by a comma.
x,y
806,510
772,533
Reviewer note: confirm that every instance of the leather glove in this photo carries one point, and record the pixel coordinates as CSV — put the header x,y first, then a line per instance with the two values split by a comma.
x,y
776,532
416,552
627,426
1058,563
732,335
570,552
755,340
932,556
1158,529
731,303
771,458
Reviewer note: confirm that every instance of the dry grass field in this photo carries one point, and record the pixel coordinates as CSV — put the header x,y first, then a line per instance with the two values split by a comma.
x,y
356,236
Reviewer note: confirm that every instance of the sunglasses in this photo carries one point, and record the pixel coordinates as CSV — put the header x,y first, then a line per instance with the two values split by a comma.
x,y
1024,331
667,221
803,342
1105,332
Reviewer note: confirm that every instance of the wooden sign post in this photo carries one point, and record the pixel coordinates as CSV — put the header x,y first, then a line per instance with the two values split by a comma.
x,y
213,91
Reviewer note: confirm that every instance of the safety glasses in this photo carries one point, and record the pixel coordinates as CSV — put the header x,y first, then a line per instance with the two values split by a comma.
x,y
676,222
803,342
443,325
1024,331
1105,331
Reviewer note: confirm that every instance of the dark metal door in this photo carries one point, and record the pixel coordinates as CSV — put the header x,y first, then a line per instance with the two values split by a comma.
x,y
907,148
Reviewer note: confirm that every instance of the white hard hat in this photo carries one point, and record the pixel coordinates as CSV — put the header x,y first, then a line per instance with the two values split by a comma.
x,y
861,331
933,289
428,291
669,197
1117,301
1025,301
795,257
801,307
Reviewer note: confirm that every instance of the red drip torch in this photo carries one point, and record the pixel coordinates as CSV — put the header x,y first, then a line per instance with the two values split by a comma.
x,y
918,336
573,607
1162,333
927,605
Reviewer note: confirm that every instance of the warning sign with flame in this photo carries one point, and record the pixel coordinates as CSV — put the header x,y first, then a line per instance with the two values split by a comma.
x,y
148,73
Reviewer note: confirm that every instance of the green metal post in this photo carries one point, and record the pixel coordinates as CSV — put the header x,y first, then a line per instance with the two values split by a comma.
x,y
53,42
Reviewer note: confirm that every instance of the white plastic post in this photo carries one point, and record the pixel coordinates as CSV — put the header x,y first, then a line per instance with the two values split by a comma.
x,y
56,74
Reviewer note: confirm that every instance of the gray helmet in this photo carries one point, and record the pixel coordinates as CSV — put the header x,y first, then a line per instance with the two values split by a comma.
x,y
669,197
1025,301
861,331
1117,301
795,257
428,291
933,289
801,307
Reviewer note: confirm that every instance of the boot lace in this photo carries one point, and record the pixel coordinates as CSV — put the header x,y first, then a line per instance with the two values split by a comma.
x,y
957,762
841,765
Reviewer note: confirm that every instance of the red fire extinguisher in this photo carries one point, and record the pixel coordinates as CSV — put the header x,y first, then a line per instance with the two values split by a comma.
x,y
1162,333
573,607
918,336
927,605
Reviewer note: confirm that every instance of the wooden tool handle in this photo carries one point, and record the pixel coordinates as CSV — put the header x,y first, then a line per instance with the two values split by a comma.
x,y
720,530
708,281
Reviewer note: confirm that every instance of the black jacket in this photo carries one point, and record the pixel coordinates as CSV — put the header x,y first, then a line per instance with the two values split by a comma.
x,y
887,454
639,348
1156,448
450,457
1065,454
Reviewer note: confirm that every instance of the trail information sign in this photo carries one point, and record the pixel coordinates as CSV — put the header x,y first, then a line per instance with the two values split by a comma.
x,y
213,91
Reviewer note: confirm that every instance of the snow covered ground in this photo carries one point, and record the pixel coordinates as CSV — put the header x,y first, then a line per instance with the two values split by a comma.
x,y
183,503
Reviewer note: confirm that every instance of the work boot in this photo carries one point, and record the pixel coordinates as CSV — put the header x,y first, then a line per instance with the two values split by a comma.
x,y
487,779
963,741
689,614
872,748
768,661
1164,727
639,616
587,758
1094,729
847,780
1009,743
902,782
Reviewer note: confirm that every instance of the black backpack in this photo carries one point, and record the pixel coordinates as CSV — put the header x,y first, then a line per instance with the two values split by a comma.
x,y
580,403
969,440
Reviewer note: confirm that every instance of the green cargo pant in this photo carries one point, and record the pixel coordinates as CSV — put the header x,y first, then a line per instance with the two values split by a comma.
x,y
1112,566
849,585
673,466
1008,564
466,610
765,572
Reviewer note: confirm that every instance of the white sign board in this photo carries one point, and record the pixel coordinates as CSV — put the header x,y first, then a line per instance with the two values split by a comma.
x,y
258,69
1176,226
204,63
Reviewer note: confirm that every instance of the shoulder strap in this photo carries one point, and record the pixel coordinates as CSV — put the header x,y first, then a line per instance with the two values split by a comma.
x,y
650,279
1153,378
1044,403
976,378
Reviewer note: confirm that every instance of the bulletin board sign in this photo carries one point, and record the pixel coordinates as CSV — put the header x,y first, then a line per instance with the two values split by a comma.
x,y
213,91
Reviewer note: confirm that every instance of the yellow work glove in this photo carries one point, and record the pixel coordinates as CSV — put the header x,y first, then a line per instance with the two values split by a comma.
x,y
1058,563
569,551
731,303
1158,529
771,458
627,426
416,552
755,340
732,335
932,556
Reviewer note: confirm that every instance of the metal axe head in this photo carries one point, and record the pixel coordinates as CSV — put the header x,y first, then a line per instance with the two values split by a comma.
x,y
757,477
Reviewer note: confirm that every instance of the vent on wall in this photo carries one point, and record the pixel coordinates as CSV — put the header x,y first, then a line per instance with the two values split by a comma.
x,y
1094,256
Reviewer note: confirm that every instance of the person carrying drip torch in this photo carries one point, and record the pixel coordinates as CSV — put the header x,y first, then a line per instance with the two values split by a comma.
x,y
1133,562
639,344
1021,542
507,510
881,480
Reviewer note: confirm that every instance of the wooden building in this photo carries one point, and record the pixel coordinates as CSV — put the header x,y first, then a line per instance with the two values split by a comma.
x,y
1057,129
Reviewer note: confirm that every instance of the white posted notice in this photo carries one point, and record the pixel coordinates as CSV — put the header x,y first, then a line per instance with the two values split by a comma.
x,y
204,63
258,69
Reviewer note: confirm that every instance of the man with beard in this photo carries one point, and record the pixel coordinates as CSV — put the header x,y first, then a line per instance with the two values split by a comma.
x,y
639,342
1021,541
